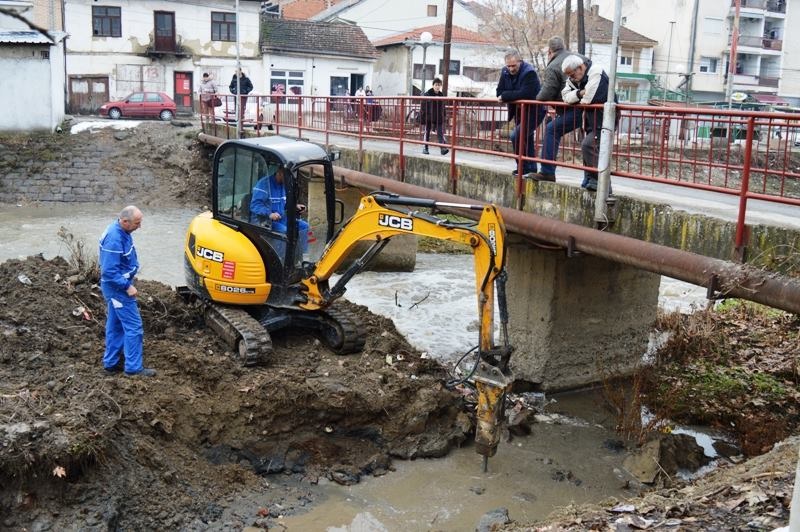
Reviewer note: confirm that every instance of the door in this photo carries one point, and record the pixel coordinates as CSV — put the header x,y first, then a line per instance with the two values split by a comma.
x,y
87,94
339,87
183,92
165,31
356,82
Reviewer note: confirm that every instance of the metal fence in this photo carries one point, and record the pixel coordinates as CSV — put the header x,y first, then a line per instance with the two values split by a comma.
x,y
753,155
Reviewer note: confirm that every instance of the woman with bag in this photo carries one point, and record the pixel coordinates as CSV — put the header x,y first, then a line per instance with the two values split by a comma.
x,y
208,95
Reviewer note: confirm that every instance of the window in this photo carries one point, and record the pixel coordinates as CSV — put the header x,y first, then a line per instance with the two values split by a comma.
x,y
152,97
455,67
712,25
623,20
481,73
223,26
289,81
433,10
430,71
708,65
106,21
625,60
136,97
44,54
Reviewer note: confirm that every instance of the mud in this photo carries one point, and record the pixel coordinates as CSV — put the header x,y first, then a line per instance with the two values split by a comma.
x,y
192,447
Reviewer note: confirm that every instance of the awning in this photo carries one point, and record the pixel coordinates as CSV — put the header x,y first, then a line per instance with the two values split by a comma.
x,y
769,98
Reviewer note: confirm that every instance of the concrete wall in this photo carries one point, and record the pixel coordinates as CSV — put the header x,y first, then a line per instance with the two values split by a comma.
x,y
33,88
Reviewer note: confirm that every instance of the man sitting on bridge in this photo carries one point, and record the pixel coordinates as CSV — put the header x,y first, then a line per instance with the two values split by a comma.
x,y
268,206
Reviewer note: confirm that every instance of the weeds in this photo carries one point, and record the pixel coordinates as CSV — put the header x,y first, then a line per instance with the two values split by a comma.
x,y
79,258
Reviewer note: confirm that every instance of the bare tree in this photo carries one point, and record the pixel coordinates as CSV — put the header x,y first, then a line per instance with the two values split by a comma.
x,y
525,25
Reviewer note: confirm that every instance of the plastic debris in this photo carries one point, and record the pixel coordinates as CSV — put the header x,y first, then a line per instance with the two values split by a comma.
x,y
24,279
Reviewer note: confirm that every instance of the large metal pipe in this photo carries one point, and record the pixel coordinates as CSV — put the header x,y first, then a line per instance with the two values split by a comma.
x,y
726,279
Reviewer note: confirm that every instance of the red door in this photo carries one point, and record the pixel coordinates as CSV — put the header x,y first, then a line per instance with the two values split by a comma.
x,y
183,92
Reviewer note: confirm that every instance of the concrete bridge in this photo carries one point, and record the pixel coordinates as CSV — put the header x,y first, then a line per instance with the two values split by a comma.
x,y
575,317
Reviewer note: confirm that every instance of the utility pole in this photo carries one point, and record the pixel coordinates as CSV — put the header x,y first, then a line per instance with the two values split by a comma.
x,y
238,103
609,126
581,29
692,48
448,34
567,16
669,56
732,59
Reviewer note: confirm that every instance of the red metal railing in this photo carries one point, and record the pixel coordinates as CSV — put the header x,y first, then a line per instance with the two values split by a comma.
x,y
752,155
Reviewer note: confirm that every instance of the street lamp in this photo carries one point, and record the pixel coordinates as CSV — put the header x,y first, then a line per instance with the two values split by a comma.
x,y
425,40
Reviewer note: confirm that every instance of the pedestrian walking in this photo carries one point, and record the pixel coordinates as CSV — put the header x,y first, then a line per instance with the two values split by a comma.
x,y
118,267
432,115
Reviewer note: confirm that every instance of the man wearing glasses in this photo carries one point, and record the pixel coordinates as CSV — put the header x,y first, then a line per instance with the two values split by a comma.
x,y
519,81
587,84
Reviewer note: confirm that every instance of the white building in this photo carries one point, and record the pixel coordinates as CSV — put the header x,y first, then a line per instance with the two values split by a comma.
x,y
400,68
695,38
380,19
119,46
32,63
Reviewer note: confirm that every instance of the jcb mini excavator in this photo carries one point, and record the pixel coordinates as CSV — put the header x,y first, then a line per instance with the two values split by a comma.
x,y
257,274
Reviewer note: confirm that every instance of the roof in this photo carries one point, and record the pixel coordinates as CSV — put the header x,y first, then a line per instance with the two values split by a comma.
x,y
769,98
315,37
326,14
599,29
305,9
459,35
24,37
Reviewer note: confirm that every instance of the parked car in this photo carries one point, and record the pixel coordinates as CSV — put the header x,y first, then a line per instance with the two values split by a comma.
x,y
141,104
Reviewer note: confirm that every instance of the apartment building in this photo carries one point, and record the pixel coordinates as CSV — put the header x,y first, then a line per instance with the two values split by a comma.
x,y
695,38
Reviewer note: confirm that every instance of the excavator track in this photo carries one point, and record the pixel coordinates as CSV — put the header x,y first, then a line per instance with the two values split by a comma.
x,y
341,332
243,333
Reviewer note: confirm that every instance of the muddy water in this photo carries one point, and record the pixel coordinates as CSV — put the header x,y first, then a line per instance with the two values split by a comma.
x,y
566,459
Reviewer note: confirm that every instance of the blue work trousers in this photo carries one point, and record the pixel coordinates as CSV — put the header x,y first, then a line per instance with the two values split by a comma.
x,y
124,332
567,122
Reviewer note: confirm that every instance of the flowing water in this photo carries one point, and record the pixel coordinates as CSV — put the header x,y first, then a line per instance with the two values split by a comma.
x,y
569,457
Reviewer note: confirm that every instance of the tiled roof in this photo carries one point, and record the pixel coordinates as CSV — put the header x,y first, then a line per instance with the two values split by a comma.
x,y
459,35
305,9
315,37
23,37
599,29
331,12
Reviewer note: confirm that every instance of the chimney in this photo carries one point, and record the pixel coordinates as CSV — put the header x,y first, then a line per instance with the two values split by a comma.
x,y
595,10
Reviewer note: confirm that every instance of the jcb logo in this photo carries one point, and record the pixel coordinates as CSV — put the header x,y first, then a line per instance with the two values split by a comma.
x,y
493,238
210,254
396,222
235,289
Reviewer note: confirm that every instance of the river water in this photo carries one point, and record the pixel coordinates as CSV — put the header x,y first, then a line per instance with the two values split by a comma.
x,y
568,458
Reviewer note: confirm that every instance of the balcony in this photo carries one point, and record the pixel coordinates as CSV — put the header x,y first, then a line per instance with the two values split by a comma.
x,y
776,6
755,41
751,4
748,81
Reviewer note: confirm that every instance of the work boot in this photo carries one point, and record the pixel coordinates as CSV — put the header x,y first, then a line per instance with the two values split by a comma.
x,y
425,150
113,370
146,372
538,176
445,151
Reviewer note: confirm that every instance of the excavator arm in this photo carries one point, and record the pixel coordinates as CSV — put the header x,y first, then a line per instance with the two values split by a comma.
x,y
379,217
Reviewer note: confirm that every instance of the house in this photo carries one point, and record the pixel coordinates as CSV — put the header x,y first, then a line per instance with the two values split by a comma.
x,y
32,63
380,19
316,58
695,40
407,65
634,56
119,46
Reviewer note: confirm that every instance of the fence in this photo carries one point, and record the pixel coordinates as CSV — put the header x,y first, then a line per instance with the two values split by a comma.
x,y
752,155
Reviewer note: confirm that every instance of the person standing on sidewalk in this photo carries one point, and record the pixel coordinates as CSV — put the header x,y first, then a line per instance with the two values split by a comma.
x,y
432,114
118,268
519,81
587,84
208,91
568,118
245,87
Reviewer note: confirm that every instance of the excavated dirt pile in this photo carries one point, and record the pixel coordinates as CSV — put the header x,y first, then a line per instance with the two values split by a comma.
x,y
194,446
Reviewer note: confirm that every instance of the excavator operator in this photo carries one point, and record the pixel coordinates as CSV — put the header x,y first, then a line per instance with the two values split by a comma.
x,y
268,206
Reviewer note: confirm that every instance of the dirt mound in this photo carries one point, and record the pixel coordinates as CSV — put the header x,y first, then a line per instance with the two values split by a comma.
x,y
137,453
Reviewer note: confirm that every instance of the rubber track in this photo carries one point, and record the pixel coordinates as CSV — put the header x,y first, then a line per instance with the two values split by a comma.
x,y
233,324
354,336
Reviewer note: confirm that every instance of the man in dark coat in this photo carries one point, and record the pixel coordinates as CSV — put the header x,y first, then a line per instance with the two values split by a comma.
x,y
519,81
432,115
567,118
245,87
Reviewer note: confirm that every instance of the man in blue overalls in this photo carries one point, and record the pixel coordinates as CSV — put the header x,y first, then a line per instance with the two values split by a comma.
x,y
118,267
268,207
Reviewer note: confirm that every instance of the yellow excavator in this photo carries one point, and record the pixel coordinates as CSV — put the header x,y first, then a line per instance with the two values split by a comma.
x,y
263,258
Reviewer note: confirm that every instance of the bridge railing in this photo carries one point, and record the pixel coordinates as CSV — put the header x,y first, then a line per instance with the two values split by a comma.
x,y
752,155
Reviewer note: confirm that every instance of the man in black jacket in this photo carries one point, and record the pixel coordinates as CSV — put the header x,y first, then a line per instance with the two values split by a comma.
x,y
432,115
245,87
567,118
519,81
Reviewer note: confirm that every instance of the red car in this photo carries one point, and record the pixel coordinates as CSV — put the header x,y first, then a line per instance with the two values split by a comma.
x,y
141,104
